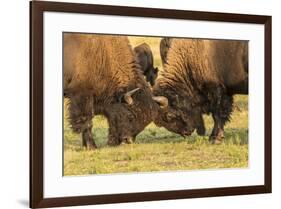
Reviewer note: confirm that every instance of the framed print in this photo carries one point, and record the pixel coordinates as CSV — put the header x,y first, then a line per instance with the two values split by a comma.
x,y
139,104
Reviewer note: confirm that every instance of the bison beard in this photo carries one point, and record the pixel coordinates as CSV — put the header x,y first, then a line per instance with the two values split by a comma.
x,y
201,76
101,77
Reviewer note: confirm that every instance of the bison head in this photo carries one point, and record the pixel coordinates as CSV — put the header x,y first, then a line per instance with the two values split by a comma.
x,y
179,116
132,114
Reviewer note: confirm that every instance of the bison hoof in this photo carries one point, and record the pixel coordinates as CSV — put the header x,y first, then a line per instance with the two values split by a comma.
x,y
201,131
216,139
92,147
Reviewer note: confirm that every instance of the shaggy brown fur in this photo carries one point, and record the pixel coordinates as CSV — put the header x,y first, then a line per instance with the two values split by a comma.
x,y
145,59
201,76
98,72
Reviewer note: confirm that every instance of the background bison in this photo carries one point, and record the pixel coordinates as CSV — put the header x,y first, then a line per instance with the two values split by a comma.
x,y
145,59
101,76
165,45
201,76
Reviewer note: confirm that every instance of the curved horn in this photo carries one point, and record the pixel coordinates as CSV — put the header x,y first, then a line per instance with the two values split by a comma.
x,y
161,100
128,96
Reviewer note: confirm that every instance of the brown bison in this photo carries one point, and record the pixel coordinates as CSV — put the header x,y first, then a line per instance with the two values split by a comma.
x,y
201,76
165,45
145,59
101,76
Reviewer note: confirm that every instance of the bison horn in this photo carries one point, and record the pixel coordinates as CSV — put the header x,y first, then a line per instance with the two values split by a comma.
x,y
128,96
161,100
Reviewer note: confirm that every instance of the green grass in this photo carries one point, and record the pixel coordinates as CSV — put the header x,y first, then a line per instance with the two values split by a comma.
x,y
157,149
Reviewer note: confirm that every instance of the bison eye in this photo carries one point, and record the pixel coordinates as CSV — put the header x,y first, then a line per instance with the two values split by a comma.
x,y
169,116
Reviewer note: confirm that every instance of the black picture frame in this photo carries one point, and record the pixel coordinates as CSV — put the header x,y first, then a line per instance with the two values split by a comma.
x,y
37,8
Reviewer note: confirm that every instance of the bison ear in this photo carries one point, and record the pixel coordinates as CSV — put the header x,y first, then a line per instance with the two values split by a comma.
x,y
161,100
128,96
156,70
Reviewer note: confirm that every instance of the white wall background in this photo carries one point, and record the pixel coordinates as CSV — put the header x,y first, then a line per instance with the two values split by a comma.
x,y
14,103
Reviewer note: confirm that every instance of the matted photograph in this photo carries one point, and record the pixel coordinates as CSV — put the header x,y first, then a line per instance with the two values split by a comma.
x,y
141,104
144,104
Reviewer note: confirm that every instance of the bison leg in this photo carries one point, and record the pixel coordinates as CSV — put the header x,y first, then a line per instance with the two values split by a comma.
x,y
113,135
87,139
217,135
200,126
221,116
80,117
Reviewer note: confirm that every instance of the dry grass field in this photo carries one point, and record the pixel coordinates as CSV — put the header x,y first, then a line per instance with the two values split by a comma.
x,y
157,149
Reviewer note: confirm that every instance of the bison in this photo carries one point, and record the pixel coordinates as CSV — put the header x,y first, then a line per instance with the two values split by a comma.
x,y
201,77
165,45
145,59
101,76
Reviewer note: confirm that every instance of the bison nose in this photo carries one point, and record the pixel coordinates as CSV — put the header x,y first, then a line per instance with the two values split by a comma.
x,y
127,140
